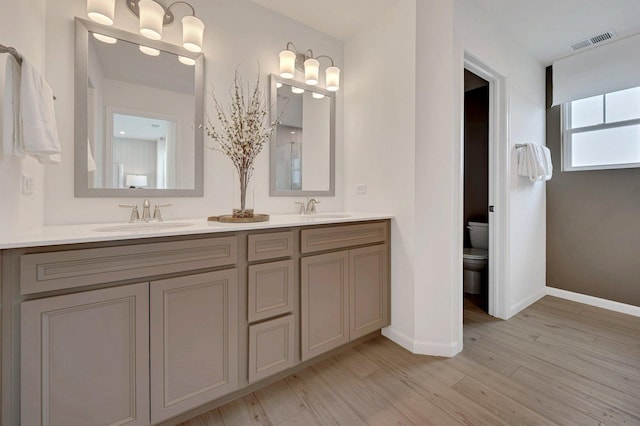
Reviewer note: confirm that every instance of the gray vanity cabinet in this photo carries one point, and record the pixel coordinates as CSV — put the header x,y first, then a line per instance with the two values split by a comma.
x,y
85,358
193,340
344,294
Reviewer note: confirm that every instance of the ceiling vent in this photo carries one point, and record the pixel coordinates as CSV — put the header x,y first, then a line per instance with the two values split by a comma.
x,y
596,39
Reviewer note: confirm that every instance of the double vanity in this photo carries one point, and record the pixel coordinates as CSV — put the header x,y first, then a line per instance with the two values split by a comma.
x,y
142,324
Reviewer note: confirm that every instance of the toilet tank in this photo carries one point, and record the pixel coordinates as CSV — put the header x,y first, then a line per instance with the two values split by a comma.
x,y
479,233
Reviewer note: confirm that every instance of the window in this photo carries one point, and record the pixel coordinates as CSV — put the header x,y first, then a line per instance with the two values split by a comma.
x,y
602,132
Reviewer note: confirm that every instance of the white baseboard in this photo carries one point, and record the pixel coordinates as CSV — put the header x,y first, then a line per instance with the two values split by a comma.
x,y
523,304
422,348
595,301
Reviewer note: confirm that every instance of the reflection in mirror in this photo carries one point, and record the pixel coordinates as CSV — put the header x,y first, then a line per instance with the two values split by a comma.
x,y
143,108
302,148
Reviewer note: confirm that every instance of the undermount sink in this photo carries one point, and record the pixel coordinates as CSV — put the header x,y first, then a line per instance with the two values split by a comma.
x,y
328,216
143,226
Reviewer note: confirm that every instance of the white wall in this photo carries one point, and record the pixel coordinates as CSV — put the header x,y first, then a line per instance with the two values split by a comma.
x,y
22,27
478,35
238,33
402,138
380,143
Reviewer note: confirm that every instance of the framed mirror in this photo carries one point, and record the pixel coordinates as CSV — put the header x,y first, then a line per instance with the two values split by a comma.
x,y
138,110
302,149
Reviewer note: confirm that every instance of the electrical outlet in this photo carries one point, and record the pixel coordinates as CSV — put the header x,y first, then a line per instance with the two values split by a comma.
x,y
27,185
361,189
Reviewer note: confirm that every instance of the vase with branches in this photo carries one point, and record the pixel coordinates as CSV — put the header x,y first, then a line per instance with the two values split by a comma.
x,y
242,130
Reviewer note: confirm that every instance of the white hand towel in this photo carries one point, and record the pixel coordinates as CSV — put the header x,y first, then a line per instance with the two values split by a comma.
x,y
534,162
11,128
37,114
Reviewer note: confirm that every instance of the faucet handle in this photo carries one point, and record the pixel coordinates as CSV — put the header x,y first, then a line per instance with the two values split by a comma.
x,y
135,216
157,215
301,210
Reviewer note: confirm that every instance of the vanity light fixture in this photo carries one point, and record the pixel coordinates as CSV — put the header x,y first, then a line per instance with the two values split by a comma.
x,y
290,60
153,17
296,90
316,95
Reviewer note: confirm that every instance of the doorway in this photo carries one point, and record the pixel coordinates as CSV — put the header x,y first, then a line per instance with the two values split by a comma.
x,y
476,191
498,187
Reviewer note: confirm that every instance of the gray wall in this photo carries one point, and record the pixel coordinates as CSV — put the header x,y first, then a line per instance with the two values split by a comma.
x,y
593,226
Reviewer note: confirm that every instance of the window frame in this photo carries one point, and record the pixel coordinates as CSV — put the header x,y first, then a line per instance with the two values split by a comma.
x,y
567,134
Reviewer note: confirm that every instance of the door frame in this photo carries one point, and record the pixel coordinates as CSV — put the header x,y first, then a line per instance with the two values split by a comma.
x,y
498,184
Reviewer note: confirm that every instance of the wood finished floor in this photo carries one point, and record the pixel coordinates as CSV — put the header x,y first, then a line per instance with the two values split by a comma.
x,y
557,362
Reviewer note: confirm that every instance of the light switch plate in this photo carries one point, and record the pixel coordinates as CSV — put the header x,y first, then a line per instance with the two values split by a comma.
x,y
361,188
27,185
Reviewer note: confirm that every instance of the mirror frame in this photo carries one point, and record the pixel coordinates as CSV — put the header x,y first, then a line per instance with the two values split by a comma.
x,y
273,99
81,131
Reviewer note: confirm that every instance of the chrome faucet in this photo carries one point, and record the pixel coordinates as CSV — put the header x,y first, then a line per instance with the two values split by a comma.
x,y
311,206
146,212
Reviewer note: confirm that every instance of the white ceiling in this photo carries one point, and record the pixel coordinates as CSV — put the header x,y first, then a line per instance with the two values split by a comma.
x,y
546,28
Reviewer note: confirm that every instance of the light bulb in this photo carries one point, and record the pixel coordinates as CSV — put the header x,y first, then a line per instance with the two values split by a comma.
x,y
151,19
105,39
316,95
296,90
192,32
287,64
149,50
311,67
186,61
101,11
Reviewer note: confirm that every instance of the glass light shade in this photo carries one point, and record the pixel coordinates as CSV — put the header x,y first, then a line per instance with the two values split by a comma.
x,y
192,32
149,50
136,180
105,39
317,95
296,90
311,67
278,85
186,61
151,19
101,11
333,79
287,64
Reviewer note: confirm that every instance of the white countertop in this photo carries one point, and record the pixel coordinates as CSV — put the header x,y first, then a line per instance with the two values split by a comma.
x,y
86,233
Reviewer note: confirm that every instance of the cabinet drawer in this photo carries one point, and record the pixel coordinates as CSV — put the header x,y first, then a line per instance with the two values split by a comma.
x,y
74,268
271,347
270,246
337,237
270,289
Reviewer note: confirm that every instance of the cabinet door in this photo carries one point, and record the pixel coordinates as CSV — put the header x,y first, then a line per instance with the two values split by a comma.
x,y
193,339
271,347
85,358
368,290
270,290
325,302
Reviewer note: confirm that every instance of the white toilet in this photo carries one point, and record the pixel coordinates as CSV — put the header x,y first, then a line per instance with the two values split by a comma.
x,y
475,259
